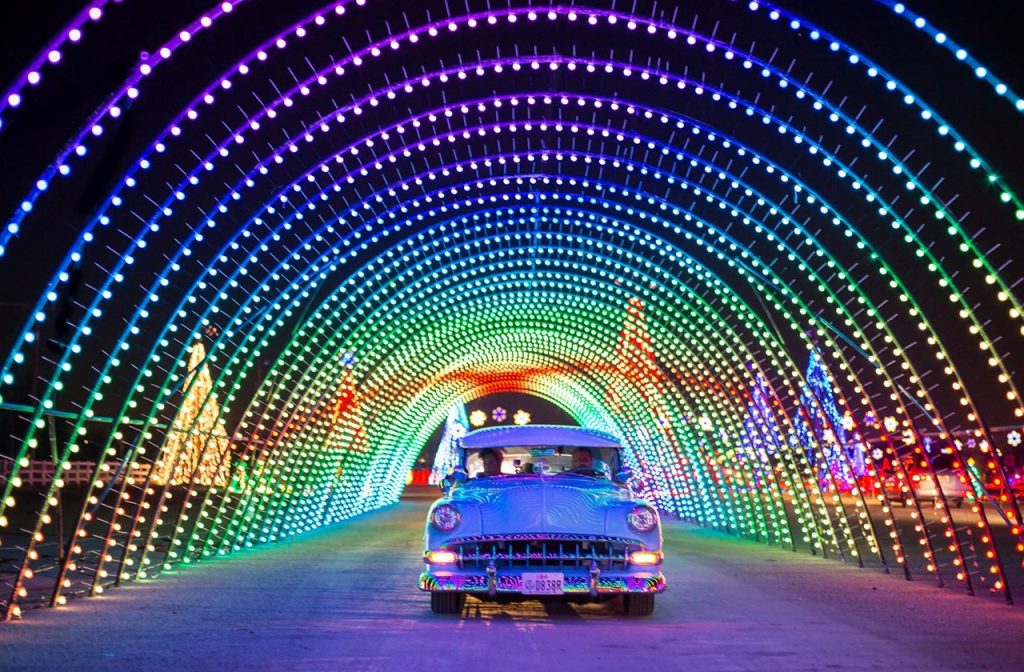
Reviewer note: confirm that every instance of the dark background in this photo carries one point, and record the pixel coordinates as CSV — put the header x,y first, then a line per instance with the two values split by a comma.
x,y
989,29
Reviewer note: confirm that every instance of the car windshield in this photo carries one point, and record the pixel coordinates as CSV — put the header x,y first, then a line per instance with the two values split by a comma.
x,y
542,460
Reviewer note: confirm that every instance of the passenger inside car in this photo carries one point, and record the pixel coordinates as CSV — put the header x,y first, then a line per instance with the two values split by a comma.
x,y
541,461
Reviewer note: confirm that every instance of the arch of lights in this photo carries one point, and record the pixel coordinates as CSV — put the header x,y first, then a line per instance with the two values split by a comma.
x,y
453,201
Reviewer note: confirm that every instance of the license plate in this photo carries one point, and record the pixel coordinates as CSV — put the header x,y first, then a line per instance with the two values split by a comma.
x,y
543,583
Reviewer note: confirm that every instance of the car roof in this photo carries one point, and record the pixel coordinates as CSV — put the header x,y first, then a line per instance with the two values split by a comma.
x,y
539,435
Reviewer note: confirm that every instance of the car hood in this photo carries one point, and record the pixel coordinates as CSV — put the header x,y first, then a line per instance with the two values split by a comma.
x,y
542,504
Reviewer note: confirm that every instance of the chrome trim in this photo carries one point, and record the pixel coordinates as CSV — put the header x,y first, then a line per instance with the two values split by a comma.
x,y
543,553
577,583
541,536
492,578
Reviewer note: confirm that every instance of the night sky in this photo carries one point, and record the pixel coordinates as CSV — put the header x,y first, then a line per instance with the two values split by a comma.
x,y
990,29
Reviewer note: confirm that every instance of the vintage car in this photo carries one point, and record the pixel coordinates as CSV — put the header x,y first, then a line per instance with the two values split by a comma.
x,y
541,512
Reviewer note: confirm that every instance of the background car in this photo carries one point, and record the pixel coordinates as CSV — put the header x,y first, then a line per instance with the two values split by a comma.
x,y
924,488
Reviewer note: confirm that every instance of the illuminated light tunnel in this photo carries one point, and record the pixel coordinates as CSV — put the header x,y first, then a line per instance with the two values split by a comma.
x,y
251,274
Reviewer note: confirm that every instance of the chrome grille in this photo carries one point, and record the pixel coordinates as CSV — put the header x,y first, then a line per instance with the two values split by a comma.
x,y
544,553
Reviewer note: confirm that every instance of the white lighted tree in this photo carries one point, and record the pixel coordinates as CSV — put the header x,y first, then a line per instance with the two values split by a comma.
x,y
197,442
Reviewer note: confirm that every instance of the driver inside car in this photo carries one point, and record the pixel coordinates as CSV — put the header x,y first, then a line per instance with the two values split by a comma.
x,y
492,459
582,458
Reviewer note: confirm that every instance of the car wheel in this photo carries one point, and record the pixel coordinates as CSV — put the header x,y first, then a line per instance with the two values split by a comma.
x,y
638,604
447,603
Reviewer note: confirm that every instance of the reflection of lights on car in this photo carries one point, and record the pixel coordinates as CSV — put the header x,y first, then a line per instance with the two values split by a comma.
x,y
499,414
521,417
493,551
642,519
477,418
445,518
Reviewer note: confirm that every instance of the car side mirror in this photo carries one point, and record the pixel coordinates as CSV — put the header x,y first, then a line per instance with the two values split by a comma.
x,y
624,475
456,476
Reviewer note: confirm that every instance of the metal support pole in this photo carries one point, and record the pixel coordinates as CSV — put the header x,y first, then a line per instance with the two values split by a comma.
x,y
51,427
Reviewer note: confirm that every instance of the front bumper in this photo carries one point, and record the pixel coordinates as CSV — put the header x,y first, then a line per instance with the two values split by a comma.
x,y
577,582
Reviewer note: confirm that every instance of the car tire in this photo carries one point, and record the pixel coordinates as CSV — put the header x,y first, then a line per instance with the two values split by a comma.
x,y
638,604
447,603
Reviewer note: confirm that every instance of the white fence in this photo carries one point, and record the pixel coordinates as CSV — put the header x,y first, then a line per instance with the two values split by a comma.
x,y
40,472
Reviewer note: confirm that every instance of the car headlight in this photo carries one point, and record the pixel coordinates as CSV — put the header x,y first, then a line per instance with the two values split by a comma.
x,y
440,558
645,558
642,519
445,518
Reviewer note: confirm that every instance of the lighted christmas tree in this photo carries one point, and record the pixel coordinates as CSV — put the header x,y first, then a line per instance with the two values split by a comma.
x,y
761,430
197,442
447,456
638,367
844,457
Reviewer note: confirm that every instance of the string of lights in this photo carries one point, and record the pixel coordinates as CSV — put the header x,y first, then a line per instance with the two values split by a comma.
x,y
788,293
